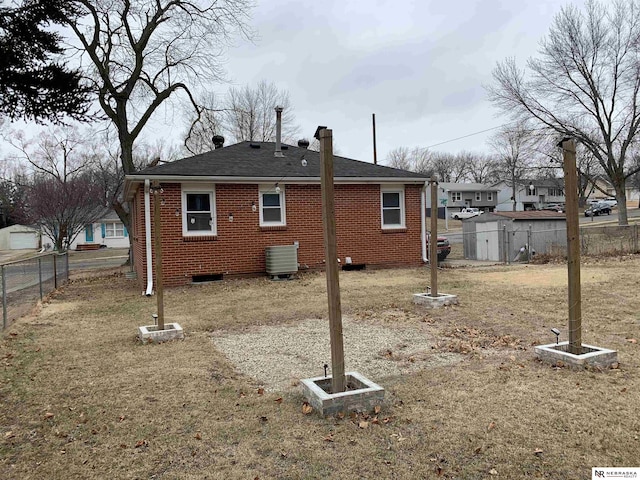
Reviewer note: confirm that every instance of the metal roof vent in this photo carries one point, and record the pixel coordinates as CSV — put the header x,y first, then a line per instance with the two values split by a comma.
x,y
254,145
303,143
218,141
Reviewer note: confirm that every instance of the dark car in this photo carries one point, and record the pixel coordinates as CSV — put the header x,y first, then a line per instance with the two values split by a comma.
x,y
597,209
444,249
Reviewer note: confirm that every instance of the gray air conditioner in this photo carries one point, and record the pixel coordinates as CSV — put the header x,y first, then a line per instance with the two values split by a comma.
x,y
281,259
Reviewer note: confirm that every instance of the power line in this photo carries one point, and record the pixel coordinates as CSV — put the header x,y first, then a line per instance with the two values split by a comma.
x,y
469,135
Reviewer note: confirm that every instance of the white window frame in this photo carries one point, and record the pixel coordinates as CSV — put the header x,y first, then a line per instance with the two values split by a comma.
x,y
489,196
456,196
271,189
113,225
478,196
392,189
203,190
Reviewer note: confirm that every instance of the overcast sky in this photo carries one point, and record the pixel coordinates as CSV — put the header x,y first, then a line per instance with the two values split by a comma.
x,y
418,65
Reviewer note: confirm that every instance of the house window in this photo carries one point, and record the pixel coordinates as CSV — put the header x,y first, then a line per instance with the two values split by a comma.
x,y
198,212
478,196
456,196
556,192
489,196
113,230
272,206
392,207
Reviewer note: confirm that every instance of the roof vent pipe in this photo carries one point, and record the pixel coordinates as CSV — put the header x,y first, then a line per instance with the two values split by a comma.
x,y
278,152
303,143
218,141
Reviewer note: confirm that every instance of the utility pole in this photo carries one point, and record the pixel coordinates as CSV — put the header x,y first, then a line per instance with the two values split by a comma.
x,y
375,151
573,245
325,136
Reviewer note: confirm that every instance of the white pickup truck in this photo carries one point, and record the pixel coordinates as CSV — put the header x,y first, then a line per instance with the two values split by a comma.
x,y
466,213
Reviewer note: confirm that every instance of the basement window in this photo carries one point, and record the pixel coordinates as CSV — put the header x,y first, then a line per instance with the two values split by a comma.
x,y
213,277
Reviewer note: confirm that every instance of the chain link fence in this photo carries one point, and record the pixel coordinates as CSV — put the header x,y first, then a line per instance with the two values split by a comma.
x,y
24,282
516,244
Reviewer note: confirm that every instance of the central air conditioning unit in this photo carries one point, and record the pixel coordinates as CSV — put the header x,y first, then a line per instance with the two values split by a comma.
x,y
281,260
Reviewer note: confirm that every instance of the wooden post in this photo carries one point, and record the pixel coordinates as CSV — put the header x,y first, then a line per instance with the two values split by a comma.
x,y
158,252
331,260
433,237
573,245
375,151
4,298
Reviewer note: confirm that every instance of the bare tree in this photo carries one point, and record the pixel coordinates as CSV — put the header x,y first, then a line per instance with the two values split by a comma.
x,y
584,84
449,167
480,167
513,147
250,115
139,54
59,191
415,159
200,132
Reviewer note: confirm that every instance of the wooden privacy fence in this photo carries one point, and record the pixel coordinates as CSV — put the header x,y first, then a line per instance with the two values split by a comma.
x,y
24,282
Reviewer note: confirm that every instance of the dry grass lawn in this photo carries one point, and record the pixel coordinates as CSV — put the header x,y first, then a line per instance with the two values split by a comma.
x,y
81,399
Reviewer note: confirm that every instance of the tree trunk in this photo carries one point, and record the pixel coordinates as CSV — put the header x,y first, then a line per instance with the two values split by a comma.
x,y
621,198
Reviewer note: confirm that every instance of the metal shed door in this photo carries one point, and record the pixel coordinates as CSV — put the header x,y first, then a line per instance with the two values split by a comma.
x,y
487,238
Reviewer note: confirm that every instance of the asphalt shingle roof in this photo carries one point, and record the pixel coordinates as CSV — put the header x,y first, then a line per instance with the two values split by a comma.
x,y
245,159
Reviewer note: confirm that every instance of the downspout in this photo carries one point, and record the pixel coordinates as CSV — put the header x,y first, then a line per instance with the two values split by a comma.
x,y
147,232
423,220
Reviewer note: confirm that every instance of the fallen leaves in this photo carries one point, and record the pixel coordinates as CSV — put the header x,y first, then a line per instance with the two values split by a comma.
x,y
141,443
632,340
538,451
491,426
306,408
493,471
48,415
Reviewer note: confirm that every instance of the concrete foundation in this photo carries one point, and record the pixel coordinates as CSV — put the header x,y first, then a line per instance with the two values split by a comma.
x,y
151,334
441,300
590,356
362,395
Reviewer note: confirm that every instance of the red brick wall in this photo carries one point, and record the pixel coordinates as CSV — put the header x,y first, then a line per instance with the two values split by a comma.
x,y
239,246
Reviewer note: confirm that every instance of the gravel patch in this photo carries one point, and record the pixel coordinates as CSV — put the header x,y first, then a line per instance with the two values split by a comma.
x,y
277,357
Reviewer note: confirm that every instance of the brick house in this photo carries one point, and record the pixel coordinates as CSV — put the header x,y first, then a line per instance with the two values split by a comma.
x,y
220,210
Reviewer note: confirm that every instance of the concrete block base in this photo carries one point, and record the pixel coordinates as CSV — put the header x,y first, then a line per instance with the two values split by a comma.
x,y
441,300
590,356
362,395
151,334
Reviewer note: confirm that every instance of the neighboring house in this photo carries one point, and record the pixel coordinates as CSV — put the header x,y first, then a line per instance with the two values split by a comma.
x,y
530,194
221,209
457,196
19,237
499,236
632,193
109,231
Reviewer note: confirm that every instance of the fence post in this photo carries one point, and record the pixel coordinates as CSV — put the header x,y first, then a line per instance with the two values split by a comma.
x,y
4,299
66,261
55,271
635,238
529,244
40,275
504,243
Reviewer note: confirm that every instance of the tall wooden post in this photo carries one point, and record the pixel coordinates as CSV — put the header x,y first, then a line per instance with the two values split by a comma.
x,y
433,237
331,256
158,252
573,245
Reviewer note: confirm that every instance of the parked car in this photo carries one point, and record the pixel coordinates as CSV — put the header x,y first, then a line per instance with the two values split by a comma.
x,y
597,209
554,207
610,202
444,248
466,213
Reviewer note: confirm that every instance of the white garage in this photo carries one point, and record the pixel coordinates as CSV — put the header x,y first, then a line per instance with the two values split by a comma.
x,y
19,237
